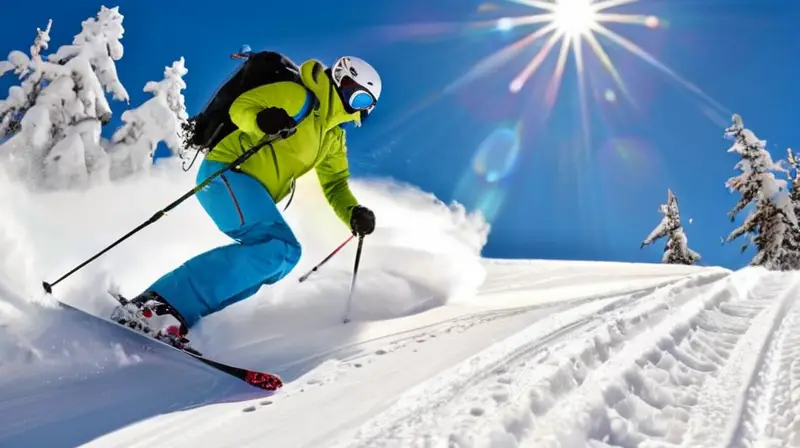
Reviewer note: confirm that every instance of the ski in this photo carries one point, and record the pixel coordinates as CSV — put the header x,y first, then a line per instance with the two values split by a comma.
x,y
261,380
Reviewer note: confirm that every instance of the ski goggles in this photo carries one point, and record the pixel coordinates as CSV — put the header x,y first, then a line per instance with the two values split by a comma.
x,y
355,95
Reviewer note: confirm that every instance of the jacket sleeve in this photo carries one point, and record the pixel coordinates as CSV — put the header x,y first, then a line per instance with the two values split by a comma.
x,y
333,173
285,95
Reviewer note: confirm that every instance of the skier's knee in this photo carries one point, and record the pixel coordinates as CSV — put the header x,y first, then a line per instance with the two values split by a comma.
x,y
292,250
293,253
277,247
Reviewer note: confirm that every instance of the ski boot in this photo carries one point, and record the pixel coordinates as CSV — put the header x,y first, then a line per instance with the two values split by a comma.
x,y
136,312
175,335
132,317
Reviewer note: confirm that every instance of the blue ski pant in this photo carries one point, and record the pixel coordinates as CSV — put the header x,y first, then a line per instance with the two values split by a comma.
x,y
265,249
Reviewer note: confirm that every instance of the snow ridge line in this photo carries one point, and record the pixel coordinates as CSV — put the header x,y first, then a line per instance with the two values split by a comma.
x,y
418,404
755,409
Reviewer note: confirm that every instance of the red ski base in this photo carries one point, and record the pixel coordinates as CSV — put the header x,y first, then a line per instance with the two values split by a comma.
x,y
263,380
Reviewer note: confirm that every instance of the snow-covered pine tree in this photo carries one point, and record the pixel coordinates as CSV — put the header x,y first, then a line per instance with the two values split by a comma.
x,y
158,119
791,245
58,139
677,250
22,97
771,221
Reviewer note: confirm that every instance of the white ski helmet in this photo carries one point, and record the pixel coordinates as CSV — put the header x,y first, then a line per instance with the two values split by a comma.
x,y
357,82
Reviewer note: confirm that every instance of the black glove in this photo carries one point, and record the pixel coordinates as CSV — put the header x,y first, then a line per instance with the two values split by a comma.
x,y
275,121
362,220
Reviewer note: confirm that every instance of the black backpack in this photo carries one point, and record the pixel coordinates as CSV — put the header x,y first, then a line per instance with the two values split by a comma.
x,y
206,129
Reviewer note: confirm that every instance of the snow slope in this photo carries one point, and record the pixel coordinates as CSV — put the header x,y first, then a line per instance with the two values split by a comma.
x,y
446,349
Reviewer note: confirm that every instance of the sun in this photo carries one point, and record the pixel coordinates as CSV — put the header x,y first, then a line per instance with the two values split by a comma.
x,y
574,17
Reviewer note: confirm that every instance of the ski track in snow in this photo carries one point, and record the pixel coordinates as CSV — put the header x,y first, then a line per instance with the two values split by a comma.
x,y
744,330
701,363
439,411
368,350
770,414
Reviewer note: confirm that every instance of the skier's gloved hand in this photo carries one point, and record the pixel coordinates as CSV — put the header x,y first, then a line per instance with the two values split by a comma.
x,y
362,220
275,121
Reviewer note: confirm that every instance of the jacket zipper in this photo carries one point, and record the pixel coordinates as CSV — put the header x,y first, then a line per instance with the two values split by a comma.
x,y
275,160
278,173
292,186
235,201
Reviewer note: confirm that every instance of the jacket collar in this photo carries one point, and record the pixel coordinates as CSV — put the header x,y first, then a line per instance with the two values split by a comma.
x,y
331,109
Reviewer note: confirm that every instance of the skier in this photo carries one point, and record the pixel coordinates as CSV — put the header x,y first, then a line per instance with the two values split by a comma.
x,y
242,202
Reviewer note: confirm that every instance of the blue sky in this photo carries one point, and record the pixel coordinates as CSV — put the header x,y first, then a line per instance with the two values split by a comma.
x,y
552,184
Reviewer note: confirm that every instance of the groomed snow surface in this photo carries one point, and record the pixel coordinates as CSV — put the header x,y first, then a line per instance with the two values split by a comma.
x,y
445,349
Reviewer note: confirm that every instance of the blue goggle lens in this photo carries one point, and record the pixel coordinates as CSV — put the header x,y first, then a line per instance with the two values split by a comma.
x,y
360,100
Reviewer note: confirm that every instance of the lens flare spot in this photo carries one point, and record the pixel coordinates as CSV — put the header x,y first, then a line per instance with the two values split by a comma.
x,y
652,22
476,194
490,201
610,96
516,85
497,154
505,24
627,150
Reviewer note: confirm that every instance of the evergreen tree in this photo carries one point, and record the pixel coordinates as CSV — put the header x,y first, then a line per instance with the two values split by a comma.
x,y
21,98
677,250
58,138
791,244
770,223
158,119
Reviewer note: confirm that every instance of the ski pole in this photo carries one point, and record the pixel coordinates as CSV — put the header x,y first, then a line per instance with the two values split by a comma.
x,y
315,268
48,287
353,282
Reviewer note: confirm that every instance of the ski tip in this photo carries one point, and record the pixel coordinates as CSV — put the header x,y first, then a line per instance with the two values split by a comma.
x,y
266,381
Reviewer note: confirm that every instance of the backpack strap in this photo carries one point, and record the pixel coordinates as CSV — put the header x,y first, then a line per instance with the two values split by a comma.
x,y
309,105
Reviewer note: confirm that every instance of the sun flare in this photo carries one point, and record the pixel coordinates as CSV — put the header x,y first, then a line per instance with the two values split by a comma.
x,y
553,36
573,29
